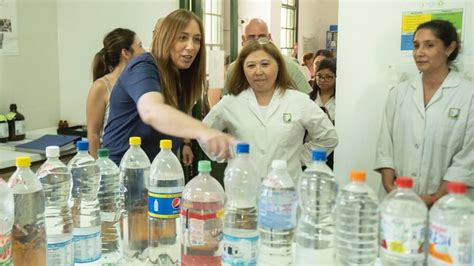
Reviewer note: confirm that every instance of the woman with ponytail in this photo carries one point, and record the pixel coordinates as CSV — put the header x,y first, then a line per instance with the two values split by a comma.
x,y
120,45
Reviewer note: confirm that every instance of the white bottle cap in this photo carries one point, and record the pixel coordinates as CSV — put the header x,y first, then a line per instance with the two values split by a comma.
x,y
279,164
52,151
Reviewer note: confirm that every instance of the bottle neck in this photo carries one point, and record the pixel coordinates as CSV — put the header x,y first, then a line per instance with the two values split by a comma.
x,y
52,159
81,152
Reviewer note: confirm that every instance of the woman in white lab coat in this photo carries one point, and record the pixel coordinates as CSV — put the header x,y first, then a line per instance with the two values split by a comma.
x,y
265,110
427,131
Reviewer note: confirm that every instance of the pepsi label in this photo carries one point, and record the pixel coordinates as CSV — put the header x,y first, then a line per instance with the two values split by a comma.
x,y
164,205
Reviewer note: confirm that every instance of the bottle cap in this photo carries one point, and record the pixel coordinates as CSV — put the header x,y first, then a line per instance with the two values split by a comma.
x,y
204,166
166,144
103,152
82,145
52,151
404,182
135,141
357,175
13,106
242,148
457,187
318,155
23,161
279,164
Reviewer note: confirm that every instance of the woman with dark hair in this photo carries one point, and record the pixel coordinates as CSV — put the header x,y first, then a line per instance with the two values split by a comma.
x,y
156,91
120,45
427,131
320,55
264,110
324,89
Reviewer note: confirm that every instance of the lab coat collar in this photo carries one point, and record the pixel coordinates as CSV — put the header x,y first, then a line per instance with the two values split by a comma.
x,y
254,107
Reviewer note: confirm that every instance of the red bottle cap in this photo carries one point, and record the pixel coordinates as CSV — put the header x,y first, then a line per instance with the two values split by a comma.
x,y
457,187
404,182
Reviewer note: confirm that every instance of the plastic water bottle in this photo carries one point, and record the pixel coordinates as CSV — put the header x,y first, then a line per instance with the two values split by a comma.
x,y
276,216
201,219
85,211
403,224
317,190
134,173
164,198
57,184
29,232
7,215
111,204
450,227
357,222
242,183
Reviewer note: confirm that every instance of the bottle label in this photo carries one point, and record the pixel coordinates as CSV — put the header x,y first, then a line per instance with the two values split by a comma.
x,y
164,205
20,127
87,244
239,250
450,245
202,229
60,251
3,130
6,249
279,212
405,236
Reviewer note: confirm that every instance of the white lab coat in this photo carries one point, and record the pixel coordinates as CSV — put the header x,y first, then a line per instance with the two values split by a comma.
x,y
280,134
432,143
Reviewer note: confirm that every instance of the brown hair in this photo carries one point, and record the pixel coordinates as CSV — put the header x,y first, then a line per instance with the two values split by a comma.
x,y
238,82
307,56
187,84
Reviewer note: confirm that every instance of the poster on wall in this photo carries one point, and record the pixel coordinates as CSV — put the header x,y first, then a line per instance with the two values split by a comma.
x,y
8,28
411,20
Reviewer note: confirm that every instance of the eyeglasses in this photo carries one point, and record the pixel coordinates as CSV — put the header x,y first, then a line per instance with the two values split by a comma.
x,y
260,40
325,78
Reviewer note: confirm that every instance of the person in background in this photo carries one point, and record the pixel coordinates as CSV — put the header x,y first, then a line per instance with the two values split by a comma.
x,y
257,28
324,89
265,110
156,91
427,130
120,45
320,55
308,66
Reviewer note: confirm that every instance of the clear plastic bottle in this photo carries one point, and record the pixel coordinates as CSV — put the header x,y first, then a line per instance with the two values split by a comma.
x,y
7,216
29,232
85,210
164,198
201,219
317,190
357,222
242,183
276,217
134,174
450,227
403,225
111,205
57,184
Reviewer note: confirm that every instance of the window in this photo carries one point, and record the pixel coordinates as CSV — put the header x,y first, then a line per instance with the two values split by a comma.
x,y
214,24
289,21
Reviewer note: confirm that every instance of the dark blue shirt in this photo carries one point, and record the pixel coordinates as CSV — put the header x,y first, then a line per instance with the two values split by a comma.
x,y
140,76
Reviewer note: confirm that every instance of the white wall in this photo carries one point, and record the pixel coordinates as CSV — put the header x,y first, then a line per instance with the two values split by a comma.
x,y
82,24
369,43
31,79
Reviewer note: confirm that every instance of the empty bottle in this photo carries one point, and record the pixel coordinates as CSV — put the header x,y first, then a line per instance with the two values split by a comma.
x,y
242,183
164,198
450,227
57,184
134,174
29,232
357,222
201,219
403,224
7,216
317,190
276,216
85,210
16,124
111,204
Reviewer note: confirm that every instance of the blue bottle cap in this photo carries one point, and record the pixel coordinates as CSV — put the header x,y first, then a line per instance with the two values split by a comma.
x,y
319,155
242,148
82,145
